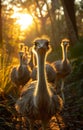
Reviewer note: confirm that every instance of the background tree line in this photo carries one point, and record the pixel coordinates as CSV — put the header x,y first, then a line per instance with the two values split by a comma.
x,y
55,18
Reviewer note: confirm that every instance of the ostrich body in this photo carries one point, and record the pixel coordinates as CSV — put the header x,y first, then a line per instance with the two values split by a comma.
x,y
20,75
62,67
39,100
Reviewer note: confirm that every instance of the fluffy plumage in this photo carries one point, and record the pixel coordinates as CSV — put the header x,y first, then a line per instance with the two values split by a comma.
x,y
20,74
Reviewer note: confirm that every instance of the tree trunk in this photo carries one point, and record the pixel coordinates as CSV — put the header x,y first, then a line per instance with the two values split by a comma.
x,y
53,37
69,12
42,19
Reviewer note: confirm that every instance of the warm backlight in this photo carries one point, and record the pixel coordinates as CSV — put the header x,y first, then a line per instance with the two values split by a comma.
x,y
24,21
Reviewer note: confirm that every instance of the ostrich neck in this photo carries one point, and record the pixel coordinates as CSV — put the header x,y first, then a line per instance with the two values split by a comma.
x,y
64,53
41,70
42,84
20,70
20,60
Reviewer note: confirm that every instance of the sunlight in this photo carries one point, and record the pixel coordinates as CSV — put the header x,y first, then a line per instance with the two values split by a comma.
x,y
77,0
24,20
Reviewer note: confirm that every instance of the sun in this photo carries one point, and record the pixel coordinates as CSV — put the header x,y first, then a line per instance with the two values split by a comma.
x,y
25,20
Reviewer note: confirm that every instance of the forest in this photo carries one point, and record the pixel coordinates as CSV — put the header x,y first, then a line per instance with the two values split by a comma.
x,y
57,22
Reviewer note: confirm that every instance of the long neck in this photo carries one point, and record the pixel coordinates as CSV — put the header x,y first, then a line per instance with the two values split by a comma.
x,y
64,53
41,70
42,84
20,68
32,61
20,60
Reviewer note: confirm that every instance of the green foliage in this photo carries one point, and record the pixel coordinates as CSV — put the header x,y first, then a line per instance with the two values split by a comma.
x,y
77,49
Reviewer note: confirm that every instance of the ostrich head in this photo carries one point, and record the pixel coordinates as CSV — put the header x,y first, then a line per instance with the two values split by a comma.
x,y
25,48
41,46
65,42
21,45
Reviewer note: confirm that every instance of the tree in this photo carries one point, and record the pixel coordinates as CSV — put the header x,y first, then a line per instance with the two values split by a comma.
x,y
69,12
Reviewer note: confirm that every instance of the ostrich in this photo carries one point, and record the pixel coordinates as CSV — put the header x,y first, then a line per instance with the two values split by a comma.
x,y
39,100
50,71
20,75
62,67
